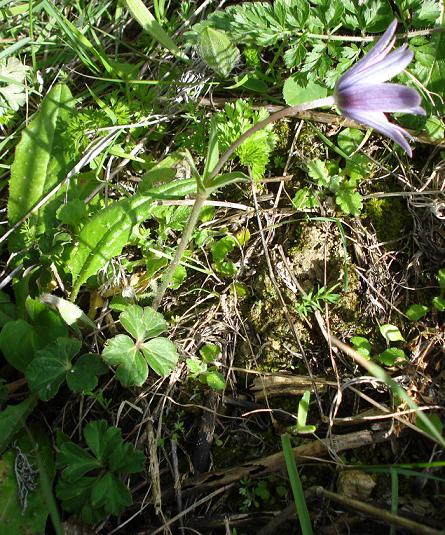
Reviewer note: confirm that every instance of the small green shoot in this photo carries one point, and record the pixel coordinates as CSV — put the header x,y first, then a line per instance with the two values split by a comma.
x,y
199,368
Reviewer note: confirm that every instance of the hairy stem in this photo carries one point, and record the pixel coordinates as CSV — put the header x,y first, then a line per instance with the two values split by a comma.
x,y
203,195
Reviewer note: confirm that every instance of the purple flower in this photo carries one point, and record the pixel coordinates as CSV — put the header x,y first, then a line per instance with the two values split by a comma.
x,y
362,95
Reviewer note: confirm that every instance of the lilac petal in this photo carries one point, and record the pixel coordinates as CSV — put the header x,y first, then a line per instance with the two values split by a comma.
x,y
380,123
379,97
380,50
386,69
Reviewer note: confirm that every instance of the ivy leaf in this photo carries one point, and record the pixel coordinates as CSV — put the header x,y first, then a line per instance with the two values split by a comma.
x,y
76,460
350,201
83,375
142,323
132,368
47,371
111,494
161,354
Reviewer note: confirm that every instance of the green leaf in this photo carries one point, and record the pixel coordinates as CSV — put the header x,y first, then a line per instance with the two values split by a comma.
x,y
83,375
226,179
126,459
40,161
76,461
17,342
101,439
70,313
14,518
349,139
48,369
441,278
221,248
12,419
439,303
218,51
209,352
362,346
391,333
215,380
196,366
349,201
152,27
161,355
76,498
303,199
318,171
415,312
132,368
111,494
294,92
434,420
434,127
72,213
392,356
8,310
212,150
13,95
142,323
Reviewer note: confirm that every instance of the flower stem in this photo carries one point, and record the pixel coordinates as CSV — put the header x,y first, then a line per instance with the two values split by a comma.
x,y
203,195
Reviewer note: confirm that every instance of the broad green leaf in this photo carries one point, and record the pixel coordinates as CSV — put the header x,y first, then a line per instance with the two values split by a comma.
x,y
48,369
75,461
12,418
14,518
8,310
161,355
126,459
101,439
391,333
110,493
107,232
349,201
218,51
17,342
221,248
362,346
318,171
132,368
72,213
152,27
40,161
215,380
209,352
349,139
71,313
76,498
295,93
142,323
439,303
392,356
83,375
415,312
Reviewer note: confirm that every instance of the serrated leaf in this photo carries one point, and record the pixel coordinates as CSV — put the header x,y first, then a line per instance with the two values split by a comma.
x,y
101,439
126,459
392,356
350,201
111,494
209,352
76,498
132,368
415,312
48,369
196,366
75,461
13,94
83,375
318,171
215,380
303,199
296,92
142,323
40,161
161,355
391,333
218,51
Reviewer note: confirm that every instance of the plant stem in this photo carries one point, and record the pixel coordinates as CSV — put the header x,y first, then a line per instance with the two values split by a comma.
x,y
203,194
185,238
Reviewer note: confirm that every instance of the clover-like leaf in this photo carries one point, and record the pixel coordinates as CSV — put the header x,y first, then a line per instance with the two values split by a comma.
x,y
161,354
83,375
47,371
126,460
101,439
143,323
122,352
350,201
110,493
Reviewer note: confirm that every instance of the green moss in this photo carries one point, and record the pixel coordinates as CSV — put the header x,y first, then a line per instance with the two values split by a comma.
x,y
389,217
